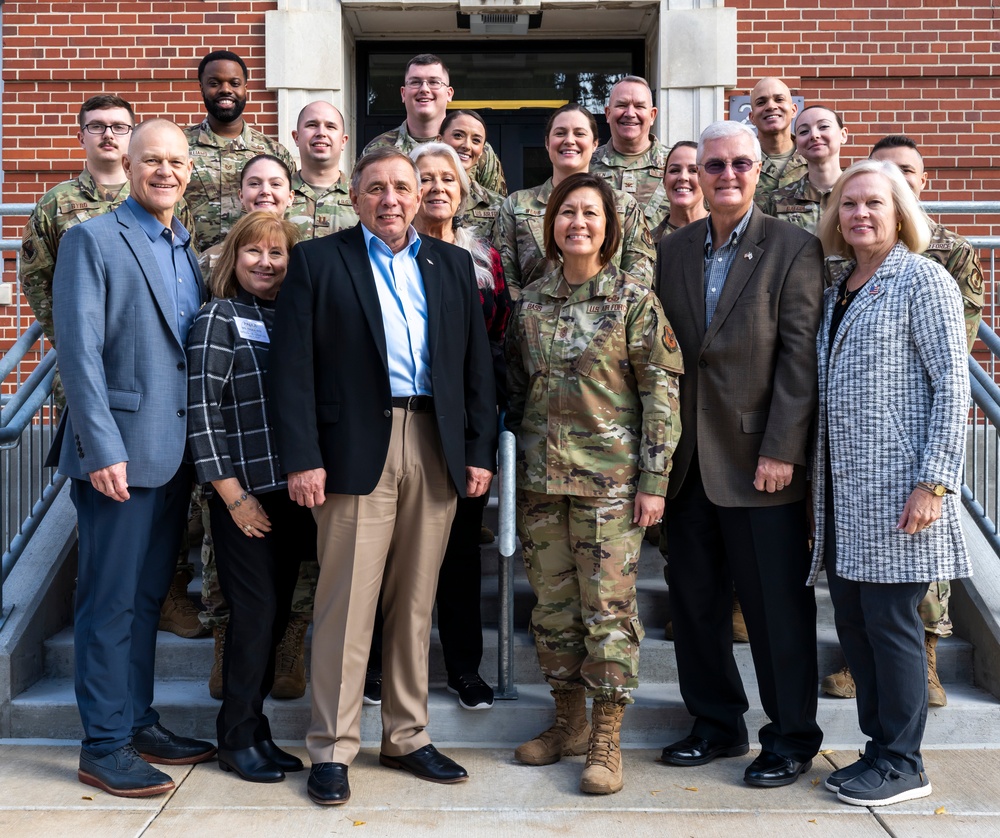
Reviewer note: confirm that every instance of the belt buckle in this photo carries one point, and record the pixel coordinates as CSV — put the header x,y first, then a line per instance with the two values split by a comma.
x,y
412,403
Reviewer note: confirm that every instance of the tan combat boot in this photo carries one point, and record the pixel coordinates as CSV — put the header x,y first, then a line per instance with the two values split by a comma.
x,y
215,677
840,684
178,613
290,660
936,696
569,735
603,772
739,624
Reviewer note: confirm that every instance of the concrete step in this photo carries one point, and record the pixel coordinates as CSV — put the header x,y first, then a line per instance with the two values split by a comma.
x,y
48,711
186,660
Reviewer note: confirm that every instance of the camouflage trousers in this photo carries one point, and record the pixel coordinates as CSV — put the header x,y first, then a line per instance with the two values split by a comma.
x,y
933,609
305,590
581,555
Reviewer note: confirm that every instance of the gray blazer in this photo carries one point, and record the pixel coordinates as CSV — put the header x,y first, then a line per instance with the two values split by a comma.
x,y
121,359
893,406
749,383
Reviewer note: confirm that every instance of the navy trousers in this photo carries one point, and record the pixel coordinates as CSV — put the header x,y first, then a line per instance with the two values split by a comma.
x,y
127,554
883,640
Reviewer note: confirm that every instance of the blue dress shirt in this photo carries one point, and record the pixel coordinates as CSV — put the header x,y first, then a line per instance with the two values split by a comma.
x,y
718,262
170,249
403,302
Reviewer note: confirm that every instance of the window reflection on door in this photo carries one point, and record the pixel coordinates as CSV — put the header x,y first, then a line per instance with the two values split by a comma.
x,y
515,86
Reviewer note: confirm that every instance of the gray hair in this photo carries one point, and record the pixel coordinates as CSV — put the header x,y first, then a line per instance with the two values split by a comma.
x,y
437,149
463,238
724,129
374,156
914,225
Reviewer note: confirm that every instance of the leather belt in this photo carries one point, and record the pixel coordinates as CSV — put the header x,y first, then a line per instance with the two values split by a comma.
x,y
416,404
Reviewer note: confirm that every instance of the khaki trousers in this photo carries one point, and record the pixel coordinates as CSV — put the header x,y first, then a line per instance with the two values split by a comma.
x,y
393,539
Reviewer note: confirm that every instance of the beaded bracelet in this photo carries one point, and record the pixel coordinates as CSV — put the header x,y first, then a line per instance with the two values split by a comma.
x,y
237,502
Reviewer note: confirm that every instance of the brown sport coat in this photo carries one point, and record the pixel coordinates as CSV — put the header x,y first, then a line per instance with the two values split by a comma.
x,y
749,387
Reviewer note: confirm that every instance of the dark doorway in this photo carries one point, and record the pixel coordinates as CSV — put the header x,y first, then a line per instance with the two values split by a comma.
x,y
513,85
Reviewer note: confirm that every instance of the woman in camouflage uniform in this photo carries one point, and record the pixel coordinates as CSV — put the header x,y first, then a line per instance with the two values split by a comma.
x,y
680,180
593,370
465,132
570,139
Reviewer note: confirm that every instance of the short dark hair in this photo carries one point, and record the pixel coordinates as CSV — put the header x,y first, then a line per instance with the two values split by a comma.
x,y
374,156
612,225
102,102
453,115
258,158
896,141
222,55
568,107
426,59
682,144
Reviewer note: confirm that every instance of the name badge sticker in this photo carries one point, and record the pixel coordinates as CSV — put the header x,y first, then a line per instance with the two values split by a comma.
x,y
251,330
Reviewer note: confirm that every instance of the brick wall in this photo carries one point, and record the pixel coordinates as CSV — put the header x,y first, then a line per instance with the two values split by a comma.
x,y
926,68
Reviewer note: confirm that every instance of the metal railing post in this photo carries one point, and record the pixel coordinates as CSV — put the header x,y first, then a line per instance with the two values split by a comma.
x,y
506,687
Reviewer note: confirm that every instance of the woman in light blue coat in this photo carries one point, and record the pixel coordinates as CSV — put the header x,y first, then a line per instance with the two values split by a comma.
x,y
890,446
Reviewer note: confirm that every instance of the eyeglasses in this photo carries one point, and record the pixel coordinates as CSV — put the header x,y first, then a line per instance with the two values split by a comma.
x,y
432,84
119,128
741,165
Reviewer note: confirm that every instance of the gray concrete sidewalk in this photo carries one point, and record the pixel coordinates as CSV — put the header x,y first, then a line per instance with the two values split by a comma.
x,y
41,797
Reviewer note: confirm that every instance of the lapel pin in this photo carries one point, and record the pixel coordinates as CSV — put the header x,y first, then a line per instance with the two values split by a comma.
x,y
873,290
748,256
429,262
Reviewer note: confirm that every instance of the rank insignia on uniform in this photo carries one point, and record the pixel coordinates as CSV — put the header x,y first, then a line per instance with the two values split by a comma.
x,y
748,256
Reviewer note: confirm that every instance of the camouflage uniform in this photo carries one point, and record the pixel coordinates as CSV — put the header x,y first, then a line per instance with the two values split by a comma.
x,y
215,181
593,380
63,206
803,205
519,238
480,212
641,177
776,172
960,259
318,214
663,229
488,171
799,203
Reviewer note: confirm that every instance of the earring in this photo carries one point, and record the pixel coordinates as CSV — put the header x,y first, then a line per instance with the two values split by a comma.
x,y
838,229
899,226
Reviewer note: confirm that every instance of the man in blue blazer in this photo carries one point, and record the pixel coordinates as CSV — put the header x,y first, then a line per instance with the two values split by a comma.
x,y
125,292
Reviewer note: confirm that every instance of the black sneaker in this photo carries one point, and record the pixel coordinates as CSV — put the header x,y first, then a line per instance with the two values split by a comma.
x,y
472,691
883,785
373,686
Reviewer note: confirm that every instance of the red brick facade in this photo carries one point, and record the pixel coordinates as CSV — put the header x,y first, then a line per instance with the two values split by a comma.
x,y
928,68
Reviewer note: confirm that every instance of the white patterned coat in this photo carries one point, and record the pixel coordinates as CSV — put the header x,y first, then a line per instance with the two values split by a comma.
x,y
893,402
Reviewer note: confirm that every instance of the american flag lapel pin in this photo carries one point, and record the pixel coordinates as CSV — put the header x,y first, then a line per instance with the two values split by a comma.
x,y
873,290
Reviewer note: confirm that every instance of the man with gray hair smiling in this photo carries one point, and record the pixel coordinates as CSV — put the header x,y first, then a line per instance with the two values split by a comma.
x,y
743,292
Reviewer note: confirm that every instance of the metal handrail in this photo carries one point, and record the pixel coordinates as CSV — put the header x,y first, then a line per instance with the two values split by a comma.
x,y
986,406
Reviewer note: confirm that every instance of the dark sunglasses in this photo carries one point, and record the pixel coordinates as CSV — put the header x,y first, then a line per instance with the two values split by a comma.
x,y
741,165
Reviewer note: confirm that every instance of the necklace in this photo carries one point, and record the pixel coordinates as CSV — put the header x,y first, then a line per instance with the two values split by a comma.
x,y
846,296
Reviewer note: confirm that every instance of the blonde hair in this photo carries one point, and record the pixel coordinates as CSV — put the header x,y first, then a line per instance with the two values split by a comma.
x,y
259,226
914,225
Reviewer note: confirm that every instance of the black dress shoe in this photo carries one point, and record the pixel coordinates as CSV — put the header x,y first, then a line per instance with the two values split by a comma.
x,y
252,764
693,750
428,763
158,745
284,760
771,769
328,784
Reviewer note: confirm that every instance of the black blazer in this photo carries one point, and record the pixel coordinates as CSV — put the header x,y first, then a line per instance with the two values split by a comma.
x,y
328,383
